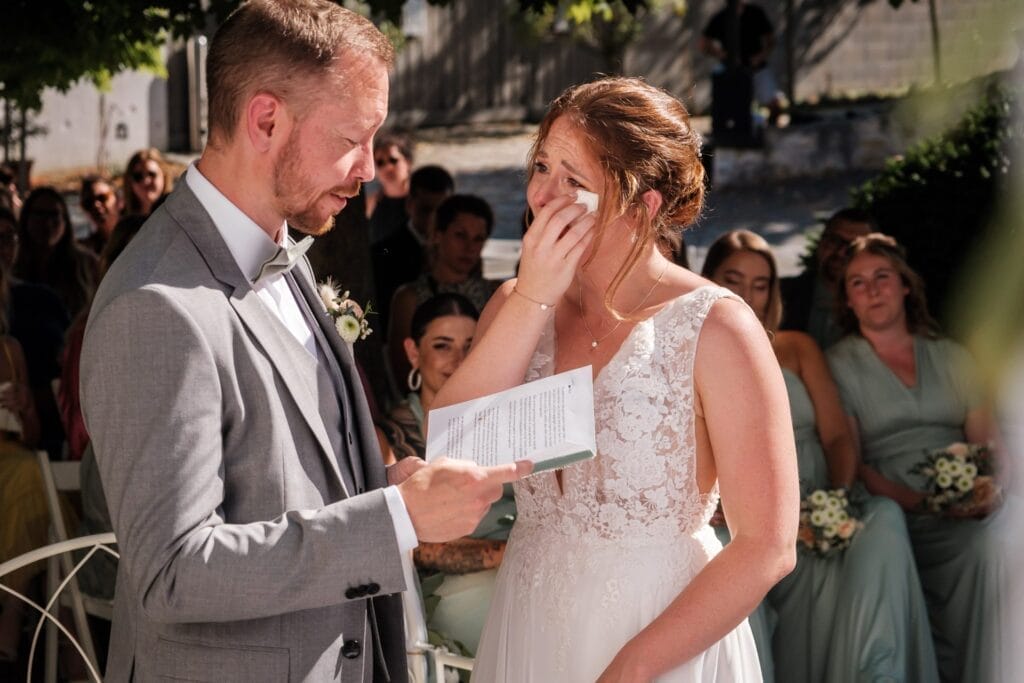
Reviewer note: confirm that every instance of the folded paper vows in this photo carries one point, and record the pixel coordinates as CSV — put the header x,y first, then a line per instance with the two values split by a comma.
x,y
549,421
587,199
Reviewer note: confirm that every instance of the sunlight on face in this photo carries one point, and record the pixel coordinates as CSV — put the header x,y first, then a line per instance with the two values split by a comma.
x,y
748,275
328,153
564,164
442,349
875,292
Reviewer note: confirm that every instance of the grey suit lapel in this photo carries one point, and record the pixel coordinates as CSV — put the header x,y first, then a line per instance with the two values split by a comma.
x,y
292,362
367,450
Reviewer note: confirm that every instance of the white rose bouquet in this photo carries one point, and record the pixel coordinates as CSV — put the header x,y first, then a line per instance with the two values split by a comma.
x,y
349,317
827,522
959,479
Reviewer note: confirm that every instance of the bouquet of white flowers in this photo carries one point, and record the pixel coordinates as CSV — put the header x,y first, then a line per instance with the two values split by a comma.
x,y
827,523
349,317
959,477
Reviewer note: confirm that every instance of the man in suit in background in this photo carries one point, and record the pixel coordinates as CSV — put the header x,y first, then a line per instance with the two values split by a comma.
x,y
808,299
260,539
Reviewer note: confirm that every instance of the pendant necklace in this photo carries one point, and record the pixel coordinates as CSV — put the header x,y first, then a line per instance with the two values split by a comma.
x,y
594,341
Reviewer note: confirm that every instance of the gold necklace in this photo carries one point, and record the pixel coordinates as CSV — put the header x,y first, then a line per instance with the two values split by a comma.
x,y
594,341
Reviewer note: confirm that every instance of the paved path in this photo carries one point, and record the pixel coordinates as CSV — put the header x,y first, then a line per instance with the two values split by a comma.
x,y
491,161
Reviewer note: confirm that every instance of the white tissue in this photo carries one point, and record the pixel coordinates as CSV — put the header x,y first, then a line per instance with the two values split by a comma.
x,y
587,199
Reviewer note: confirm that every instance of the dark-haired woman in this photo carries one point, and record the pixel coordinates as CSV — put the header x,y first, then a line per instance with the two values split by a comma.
x,y
907,391
460,573
462,225
859,613
49,254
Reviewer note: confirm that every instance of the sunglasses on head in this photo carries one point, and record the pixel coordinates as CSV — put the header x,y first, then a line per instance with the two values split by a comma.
x,y
139,176
387,161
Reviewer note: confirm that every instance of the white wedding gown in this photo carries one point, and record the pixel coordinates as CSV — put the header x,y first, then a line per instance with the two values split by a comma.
x,y
587,569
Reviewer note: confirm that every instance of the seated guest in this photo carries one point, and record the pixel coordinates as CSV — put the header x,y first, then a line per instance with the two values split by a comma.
x,y
24,516
858,614
385,208
103,207
458,575
48,254
462,225
908,392
37,319
146,181
809,298
402,257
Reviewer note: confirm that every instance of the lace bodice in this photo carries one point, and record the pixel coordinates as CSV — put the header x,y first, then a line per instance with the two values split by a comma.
x,y
642,483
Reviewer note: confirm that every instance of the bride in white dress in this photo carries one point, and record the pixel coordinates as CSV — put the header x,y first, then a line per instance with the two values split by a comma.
x,y
611,572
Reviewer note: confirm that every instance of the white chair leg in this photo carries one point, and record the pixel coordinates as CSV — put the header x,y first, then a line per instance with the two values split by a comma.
x,y
52,635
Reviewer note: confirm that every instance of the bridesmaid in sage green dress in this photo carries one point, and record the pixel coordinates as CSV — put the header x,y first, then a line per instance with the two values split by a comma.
x,y
858,614
908,393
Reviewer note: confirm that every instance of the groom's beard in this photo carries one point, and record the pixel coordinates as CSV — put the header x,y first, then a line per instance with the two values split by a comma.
x,y
292,191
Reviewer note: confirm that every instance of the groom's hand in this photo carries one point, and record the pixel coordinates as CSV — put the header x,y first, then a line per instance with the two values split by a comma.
x,y
447,498
403,469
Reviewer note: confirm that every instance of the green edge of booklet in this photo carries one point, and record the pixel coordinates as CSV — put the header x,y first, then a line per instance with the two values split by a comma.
x,y
561,461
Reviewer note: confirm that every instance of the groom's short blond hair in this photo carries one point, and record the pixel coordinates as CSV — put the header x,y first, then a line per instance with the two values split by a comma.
x,y
288,48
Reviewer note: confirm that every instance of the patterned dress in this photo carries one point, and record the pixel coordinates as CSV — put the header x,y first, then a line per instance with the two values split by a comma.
x,y
588,569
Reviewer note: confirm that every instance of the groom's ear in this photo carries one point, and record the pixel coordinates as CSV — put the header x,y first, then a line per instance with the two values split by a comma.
x,y
264,118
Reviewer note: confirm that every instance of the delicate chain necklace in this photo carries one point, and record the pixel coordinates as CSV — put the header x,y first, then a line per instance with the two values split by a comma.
x,y
594,341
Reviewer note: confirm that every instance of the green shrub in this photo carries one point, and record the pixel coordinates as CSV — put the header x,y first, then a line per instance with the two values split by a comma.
x,y
938,199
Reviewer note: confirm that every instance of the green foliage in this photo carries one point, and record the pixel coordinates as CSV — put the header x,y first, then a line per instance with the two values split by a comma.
x,y
938,199
608,26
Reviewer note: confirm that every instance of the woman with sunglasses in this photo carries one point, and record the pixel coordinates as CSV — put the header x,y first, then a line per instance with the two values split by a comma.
x,y
145,181
392,155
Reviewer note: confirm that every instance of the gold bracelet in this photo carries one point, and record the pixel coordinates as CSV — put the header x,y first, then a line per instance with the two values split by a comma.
x,y
543,306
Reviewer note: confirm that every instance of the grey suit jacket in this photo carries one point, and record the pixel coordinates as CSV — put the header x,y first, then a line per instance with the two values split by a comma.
x,y
243,556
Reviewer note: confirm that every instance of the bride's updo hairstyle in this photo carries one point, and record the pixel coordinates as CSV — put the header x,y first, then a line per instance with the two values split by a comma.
x,y
642,138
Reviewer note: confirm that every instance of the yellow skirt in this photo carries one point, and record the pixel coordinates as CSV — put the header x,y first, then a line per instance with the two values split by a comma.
x,y
24,516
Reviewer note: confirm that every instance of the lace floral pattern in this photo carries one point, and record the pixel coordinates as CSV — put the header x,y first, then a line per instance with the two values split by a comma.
x,y
637,502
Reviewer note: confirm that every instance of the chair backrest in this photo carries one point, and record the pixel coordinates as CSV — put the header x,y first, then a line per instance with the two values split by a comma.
x,y
48,610
63,476
427,663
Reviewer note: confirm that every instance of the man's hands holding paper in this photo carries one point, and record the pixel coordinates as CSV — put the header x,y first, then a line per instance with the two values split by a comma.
x,y
447,498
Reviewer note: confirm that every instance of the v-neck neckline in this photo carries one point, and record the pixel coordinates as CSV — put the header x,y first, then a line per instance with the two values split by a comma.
x,y
913,388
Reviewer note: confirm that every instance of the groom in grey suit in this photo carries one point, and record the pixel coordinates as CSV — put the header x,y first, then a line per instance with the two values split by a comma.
x,y
261,538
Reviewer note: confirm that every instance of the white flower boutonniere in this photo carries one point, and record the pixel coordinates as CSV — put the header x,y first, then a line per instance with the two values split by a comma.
x,y
349,317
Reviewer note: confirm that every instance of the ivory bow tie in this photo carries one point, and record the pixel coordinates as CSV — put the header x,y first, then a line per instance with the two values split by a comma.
x,y
284,259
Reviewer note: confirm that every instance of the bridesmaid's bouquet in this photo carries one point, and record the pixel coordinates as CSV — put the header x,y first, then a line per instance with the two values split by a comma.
x,y
827,522
959,478
349,317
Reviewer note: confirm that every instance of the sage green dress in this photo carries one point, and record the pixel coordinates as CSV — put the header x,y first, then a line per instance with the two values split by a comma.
x,y
859,614
956,558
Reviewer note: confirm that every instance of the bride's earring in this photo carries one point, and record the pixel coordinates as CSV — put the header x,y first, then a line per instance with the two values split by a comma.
x,y
414,380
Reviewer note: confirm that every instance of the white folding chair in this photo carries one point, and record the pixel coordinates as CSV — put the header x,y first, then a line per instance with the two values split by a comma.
x,y
427,663
57,477
48,611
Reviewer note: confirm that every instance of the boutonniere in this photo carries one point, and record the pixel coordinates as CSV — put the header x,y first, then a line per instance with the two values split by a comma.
x,y
349,317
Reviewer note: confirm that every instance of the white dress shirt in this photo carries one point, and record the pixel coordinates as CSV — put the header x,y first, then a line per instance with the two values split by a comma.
x,y
251,247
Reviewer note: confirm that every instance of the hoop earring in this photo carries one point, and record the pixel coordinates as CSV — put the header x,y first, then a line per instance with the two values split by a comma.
x,y
415,380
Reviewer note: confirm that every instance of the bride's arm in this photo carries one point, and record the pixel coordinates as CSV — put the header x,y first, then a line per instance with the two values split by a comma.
x,y
746,411
511,323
